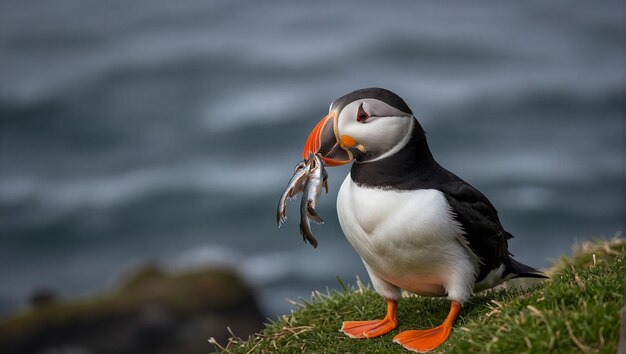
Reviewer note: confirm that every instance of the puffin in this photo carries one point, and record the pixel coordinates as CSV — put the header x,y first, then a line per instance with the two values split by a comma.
x,y
416,226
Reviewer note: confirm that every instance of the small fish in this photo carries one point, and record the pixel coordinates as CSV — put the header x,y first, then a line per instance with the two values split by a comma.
x,y
312,191
295,186
325,178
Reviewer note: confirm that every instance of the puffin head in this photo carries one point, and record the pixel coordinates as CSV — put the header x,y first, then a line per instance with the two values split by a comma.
x,y
364,125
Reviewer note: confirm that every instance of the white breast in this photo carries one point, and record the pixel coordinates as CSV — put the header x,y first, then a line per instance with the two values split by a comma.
x,y
408,238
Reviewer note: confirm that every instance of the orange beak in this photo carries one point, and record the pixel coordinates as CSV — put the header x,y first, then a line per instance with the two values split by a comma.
x,y
323,140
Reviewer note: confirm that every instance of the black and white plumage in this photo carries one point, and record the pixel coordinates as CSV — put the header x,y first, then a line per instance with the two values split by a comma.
x,y
416,225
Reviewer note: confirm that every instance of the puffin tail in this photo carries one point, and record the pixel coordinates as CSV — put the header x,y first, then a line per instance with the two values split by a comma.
x,y
520,270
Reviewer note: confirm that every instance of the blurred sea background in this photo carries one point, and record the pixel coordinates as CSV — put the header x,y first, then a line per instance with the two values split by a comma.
x,y
165,131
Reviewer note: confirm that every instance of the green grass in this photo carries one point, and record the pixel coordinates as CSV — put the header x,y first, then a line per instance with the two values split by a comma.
x,y
577,310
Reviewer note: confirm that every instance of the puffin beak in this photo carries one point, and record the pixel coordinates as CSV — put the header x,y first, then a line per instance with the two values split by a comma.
x,y
323,140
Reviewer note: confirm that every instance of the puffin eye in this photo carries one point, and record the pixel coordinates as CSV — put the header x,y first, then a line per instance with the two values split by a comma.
x,y
361,115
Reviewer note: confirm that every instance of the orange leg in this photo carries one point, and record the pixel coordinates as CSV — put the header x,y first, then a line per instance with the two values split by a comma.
x,y
370,329
423,341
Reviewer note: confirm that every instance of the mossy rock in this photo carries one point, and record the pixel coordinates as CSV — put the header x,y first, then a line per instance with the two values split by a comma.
x,y
149,300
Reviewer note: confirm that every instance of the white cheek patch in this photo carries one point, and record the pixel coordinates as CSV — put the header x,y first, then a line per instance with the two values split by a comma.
x,y
383,136
401,143
384,133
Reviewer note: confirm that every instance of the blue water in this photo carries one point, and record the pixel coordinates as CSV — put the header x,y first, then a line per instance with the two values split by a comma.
x,y
160,131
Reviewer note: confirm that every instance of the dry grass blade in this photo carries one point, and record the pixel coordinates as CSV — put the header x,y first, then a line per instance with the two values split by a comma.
x,y
295,331
576,341
579,282
535,311
360,285
215,343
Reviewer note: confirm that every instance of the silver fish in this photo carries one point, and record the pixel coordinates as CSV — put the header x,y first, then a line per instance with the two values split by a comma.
x,y
295,186
312,191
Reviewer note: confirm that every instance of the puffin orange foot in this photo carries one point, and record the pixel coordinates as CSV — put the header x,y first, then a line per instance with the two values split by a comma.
x,y
368,329
425,340
371,329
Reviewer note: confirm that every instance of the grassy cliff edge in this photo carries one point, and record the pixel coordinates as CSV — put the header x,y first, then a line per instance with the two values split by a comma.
x,y
577,310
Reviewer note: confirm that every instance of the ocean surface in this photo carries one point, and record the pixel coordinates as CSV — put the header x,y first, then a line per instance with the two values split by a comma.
x,y
165,131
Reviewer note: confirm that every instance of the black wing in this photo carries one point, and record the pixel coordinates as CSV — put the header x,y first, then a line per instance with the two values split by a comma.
x,y
479,219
